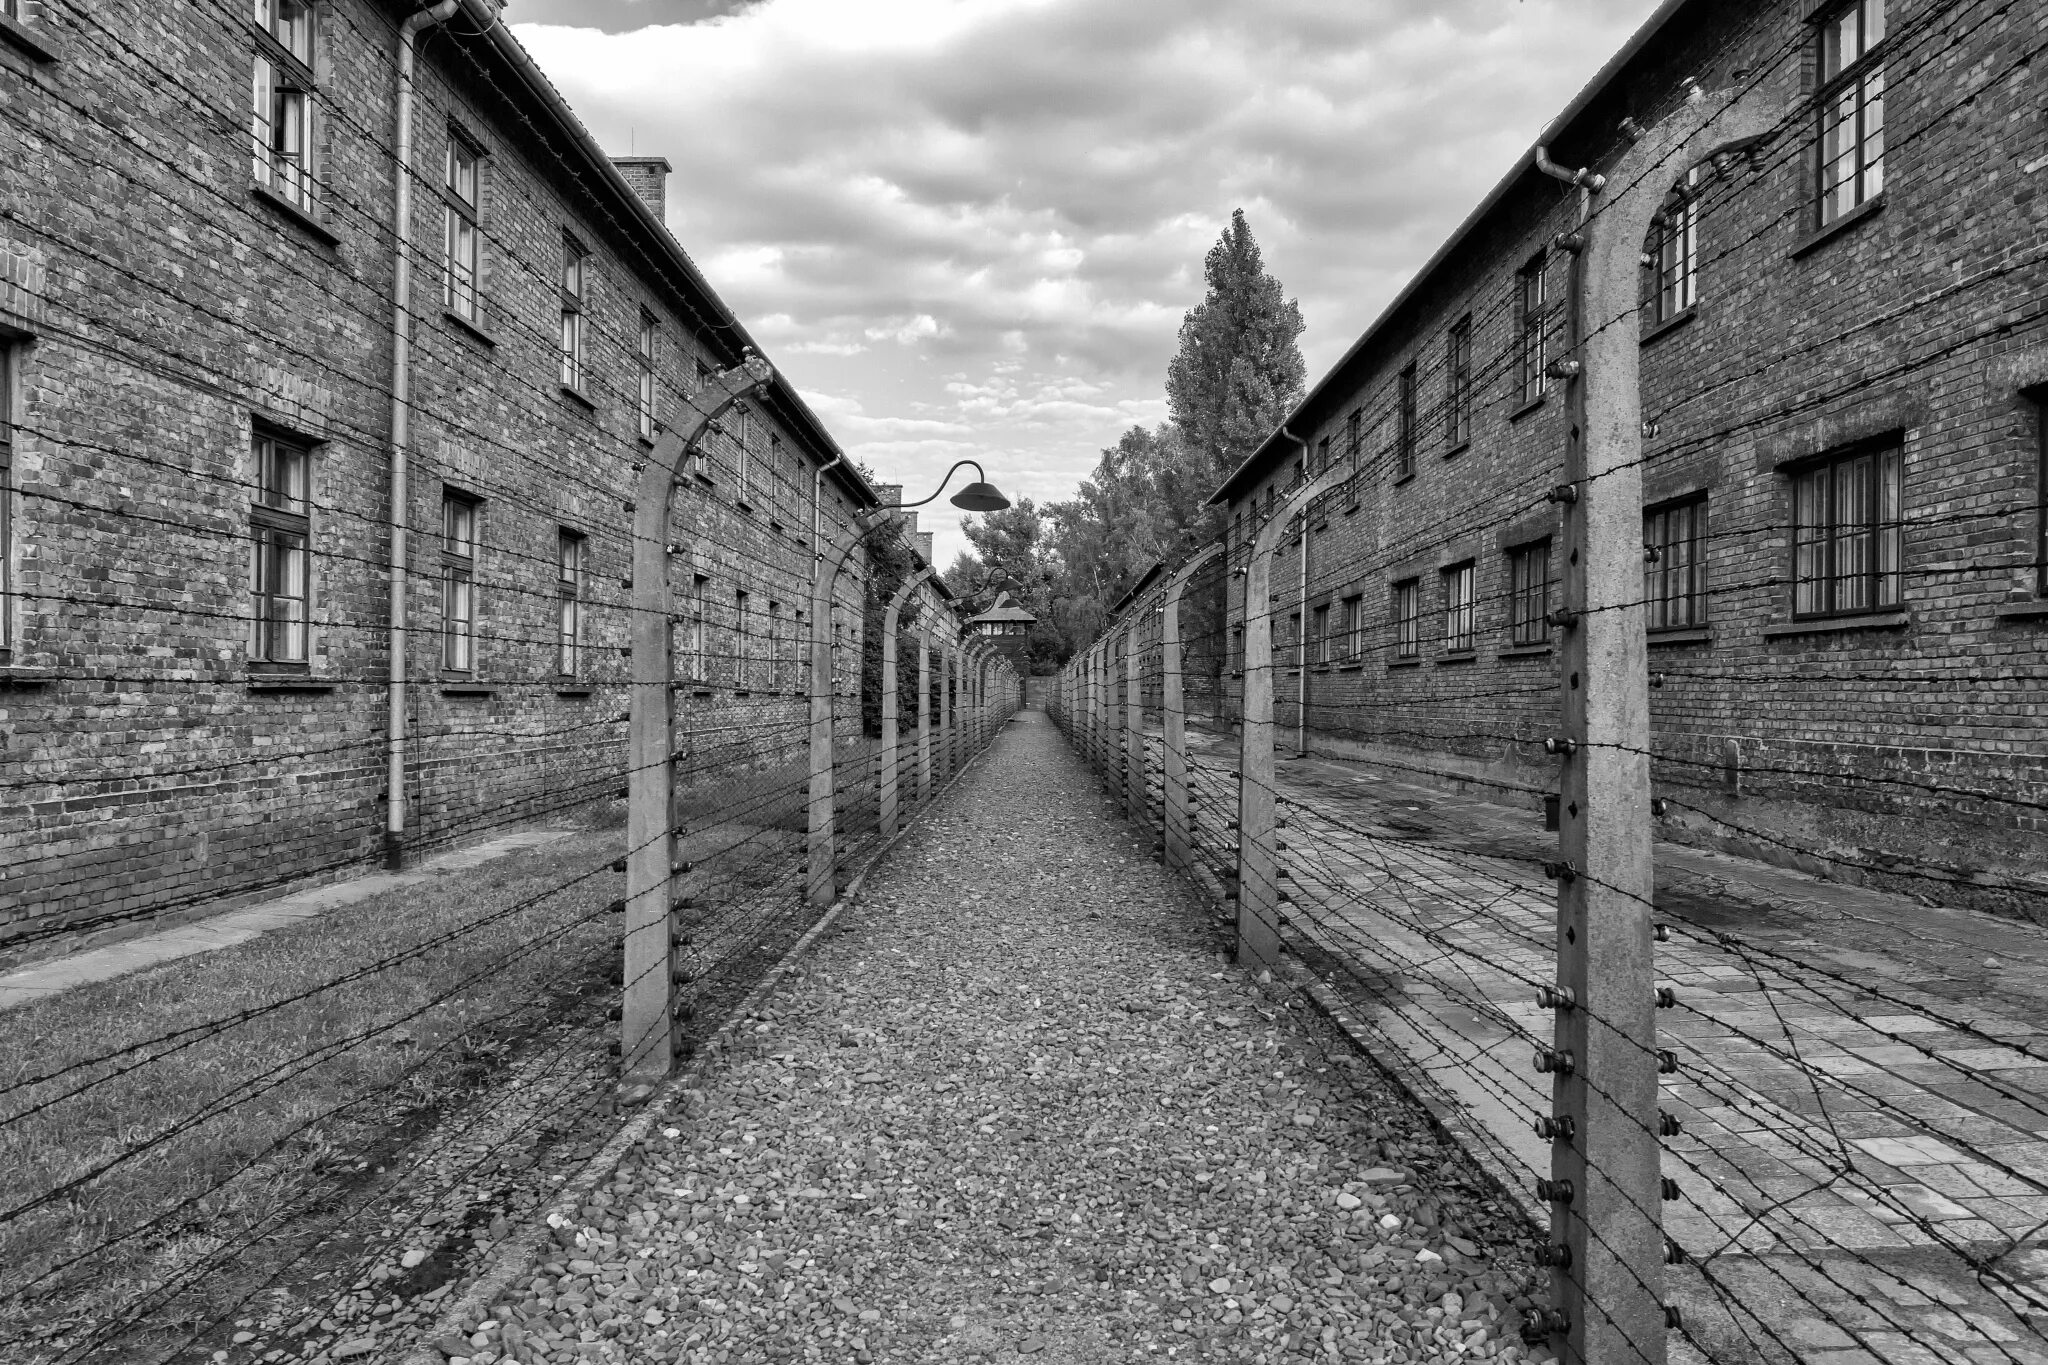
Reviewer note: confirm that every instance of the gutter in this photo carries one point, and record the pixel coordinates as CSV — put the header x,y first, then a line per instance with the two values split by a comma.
x,y
1528,161
401,427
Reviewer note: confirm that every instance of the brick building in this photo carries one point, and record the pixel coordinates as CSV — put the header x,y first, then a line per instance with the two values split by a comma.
x,y
1844,355
202,418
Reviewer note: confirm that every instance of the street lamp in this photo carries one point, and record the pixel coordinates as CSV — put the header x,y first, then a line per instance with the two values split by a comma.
x,y
979,496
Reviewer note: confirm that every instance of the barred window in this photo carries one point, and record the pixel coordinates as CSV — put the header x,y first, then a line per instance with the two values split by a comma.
x,y
1461,609
1354,437
775,646
458,581
569,552
646,355
1851,105
1322,454
461,237
1532,322
1404,458
742,655
9,357
1847,541
1672,258
694,653
1319,624
1406,610
1458,383
279,534
1674,571
1291,653
575,265
1529,594
1351,623
282,117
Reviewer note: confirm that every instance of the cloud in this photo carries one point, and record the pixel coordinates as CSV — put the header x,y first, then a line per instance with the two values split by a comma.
x,y
1019,193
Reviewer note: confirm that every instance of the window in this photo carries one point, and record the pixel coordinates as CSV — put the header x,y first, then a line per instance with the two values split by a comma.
x,y
1529,594
1461,609
1675,569
569,588
282,118
1322,454
460,238
646,357
742,656
1458,383
458,581
1672,269
1404,449
1354,436
278,534
575,262
2040,486
1236,650
1407,614
1290,654
1351,622
7,362
1532,318
742,434
1851,104
1846,537
1319,624
694,655
775,646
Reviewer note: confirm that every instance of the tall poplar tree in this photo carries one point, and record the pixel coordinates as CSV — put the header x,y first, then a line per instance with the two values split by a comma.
x,y
1238,371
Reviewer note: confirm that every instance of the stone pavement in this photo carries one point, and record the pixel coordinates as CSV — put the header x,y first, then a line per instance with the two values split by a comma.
x,y
1863,1088
49,977
1020,1107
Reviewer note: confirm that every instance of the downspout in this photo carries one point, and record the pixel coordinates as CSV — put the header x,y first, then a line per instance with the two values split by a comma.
x,y
401,433
1301,631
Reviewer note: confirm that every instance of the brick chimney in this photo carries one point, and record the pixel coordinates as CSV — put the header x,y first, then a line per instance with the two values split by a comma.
x,y
924,546
648,178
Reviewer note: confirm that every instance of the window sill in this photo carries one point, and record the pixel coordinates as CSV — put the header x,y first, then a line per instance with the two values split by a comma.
x,y
1319,668
2023,611
743,503
468,689
1524,652
1350,508
1523,411
292,213
1839,625
1697,636
1671,324
1862,213
1447,660
18,35
471,326
1459,449
582,399
1400,479
288,682
646,442
1393,664
574,690
1350,668
19,676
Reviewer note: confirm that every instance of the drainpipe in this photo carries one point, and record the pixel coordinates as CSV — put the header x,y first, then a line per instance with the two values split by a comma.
x,y
401,411
1301,634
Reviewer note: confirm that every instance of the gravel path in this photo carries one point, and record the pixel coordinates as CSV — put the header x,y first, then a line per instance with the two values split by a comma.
x,y
1021,1108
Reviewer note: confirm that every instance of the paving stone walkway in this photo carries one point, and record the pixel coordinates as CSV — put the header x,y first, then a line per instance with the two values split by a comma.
x,y
1021,1108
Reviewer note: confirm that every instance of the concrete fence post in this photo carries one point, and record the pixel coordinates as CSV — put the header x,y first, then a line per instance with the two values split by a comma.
x,y
924,713
646,1015
1607,1209
1259,893
1134,717
821,882
1175,796
886,760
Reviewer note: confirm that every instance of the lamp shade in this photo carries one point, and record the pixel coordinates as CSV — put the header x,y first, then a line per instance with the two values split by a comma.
x,y
980,497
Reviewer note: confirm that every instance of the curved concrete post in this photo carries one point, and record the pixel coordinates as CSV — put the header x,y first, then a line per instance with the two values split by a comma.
x,y
821,885
949,668
885,771
1134,716
1258,864
1610,1286
924,710
1179,821
646,1021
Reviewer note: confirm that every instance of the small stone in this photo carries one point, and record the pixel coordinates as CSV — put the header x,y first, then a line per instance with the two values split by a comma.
x,y
1390,1221
1426,1256
412,1258
1280,1303
870,1315
243,1338
1380,1175
1461,1246
653,1317
1031,1345
360,1346
1219,1286
1348,1201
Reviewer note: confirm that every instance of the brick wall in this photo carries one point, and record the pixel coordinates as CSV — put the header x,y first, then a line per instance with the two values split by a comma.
x,y
158,312
1921,320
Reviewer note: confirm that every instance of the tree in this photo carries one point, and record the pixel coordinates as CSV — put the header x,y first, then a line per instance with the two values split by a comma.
x,y
1238,371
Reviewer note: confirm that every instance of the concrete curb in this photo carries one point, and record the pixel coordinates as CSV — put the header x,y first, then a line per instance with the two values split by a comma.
x,y
518,1253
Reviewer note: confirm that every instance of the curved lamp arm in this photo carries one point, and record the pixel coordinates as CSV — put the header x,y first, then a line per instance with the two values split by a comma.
x,y
979,475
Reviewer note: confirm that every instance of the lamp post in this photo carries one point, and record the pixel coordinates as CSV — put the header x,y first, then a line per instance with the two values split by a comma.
x,y
980,496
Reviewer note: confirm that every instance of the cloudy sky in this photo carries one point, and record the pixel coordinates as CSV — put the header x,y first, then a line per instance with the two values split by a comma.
x,y
972,227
